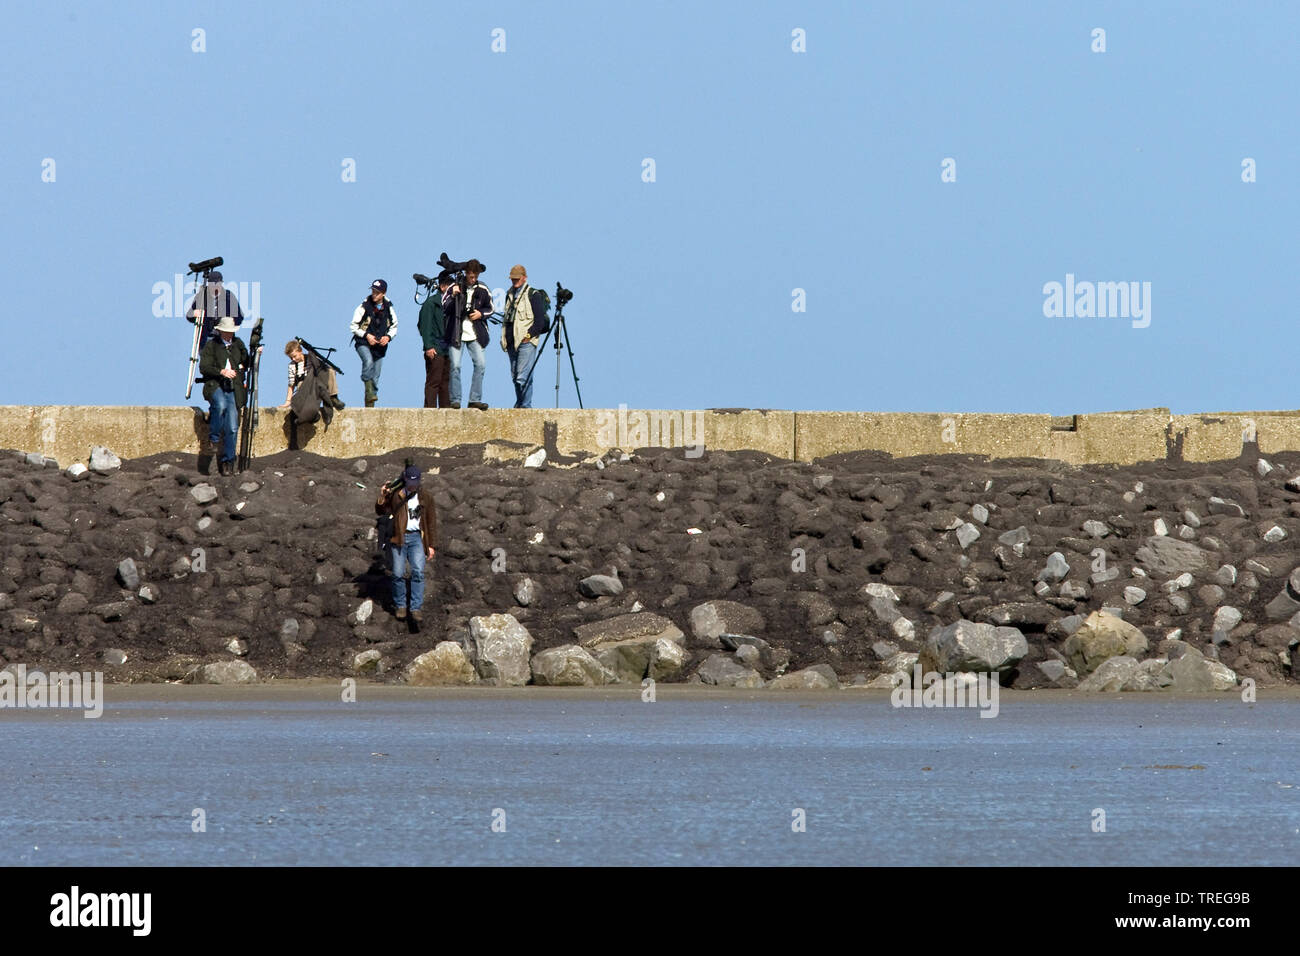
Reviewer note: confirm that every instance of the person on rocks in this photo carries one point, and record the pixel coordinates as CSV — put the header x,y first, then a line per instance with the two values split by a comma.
x,y
319,380
526,321
473,333
374,324
222,363
220,303
415,531
434,337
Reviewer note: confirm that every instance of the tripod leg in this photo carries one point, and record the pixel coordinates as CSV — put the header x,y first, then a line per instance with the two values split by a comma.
x,y
572,367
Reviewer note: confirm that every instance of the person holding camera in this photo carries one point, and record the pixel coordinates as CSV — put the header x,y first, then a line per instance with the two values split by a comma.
x,y
415,535
473,305
374,323
222,363
526,321
434,336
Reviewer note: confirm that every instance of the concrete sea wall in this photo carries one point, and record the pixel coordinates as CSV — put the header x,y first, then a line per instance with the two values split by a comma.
x,y
66,433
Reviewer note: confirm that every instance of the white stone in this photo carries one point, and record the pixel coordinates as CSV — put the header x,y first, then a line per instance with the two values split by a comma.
x,y
536,459
1273,534
1134,595
1160,526
980,513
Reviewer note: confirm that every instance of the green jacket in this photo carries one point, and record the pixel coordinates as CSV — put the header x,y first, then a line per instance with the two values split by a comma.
x,y
213,359
433,324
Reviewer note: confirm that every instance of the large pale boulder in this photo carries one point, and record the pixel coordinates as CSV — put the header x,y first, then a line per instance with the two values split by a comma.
x,y
724,671
817,677
447,663
714,618
224,672
667,658
503,649
1102,636
1111,674
569,666
967,646
625,644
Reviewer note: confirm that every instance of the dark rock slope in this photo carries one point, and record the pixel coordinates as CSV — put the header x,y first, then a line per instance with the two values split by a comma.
x,y
272,566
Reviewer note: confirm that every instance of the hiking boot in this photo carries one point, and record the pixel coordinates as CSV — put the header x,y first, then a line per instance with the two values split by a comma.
x,y
337,402
224,468
455,404
400,614
417,616
481,406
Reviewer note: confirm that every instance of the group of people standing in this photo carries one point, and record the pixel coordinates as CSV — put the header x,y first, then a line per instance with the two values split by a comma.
x,y
452,323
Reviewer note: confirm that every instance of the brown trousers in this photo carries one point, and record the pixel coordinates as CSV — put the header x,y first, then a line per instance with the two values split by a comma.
x,y
437,381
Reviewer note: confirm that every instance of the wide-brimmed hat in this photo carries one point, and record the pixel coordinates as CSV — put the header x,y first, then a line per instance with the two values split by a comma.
x,y
227,324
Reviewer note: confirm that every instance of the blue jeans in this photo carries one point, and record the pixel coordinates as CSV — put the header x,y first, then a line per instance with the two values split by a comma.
x,y
521,366
223,422
476,383
370,365
411,552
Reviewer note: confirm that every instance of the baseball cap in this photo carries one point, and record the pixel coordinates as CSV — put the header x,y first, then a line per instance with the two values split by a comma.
x,y
517,272
412,477
379,285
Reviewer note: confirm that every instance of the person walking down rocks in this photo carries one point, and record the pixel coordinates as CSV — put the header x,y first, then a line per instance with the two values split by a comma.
x,y
374,324
312,383
222,363
415,533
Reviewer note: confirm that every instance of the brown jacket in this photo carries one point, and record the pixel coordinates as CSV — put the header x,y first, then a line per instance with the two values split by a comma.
x,y
394,504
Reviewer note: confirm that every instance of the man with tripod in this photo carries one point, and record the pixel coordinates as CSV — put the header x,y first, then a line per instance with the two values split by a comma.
x,y
526,321
218,304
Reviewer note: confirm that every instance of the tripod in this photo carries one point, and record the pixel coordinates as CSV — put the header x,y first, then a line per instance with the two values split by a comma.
x,y
200,317
562,296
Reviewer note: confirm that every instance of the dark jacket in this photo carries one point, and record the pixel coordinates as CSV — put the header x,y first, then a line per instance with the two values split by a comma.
x,y
377,319
213,358
433,324
479,298
394,505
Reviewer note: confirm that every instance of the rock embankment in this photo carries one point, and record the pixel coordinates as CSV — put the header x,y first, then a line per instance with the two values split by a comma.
x,y
734,569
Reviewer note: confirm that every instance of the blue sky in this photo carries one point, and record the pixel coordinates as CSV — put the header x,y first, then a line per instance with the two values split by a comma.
x,y
774,171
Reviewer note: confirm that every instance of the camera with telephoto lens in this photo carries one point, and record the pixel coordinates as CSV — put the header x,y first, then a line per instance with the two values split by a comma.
x,y
562,295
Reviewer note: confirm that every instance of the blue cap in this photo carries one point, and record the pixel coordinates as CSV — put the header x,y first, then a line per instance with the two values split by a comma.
x,y
412,477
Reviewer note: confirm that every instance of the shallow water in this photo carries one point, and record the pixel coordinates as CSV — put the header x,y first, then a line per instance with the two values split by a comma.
x,y
680,780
